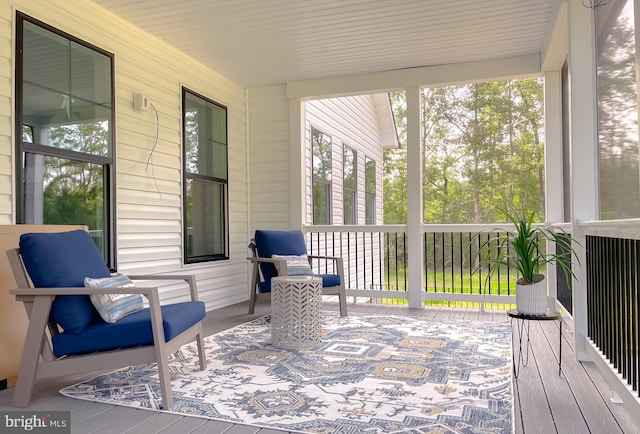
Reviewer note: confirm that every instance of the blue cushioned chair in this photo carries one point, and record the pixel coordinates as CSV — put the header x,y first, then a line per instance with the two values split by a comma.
x,y
65,333
289,243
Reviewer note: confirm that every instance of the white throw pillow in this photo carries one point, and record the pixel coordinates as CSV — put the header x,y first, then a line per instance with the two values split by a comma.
x,y
296,265
112,307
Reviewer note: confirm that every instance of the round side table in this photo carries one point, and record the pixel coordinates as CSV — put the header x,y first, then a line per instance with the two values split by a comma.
x,y
296,316
523,323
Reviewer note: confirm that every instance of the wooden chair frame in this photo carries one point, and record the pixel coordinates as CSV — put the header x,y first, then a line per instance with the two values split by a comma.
x,y
38,361
281,266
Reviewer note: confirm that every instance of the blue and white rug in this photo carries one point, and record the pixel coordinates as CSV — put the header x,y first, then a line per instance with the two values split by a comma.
x,y
370,374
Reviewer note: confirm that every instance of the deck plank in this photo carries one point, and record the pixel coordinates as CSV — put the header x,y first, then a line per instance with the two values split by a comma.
x,y
93,410
242,429
100,421
594,407
567,414
628,423
517,410
184,425
529,395
161,421
269,431
132,422
213,427
458,313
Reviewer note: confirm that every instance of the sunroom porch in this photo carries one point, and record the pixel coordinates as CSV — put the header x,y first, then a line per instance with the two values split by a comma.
x,y
265,122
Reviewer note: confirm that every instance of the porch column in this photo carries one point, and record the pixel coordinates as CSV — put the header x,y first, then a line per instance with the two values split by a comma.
x,y
414,197
584,152
553,165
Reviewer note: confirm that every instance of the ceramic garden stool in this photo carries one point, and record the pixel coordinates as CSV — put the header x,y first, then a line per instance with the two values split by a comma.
x,y
296,316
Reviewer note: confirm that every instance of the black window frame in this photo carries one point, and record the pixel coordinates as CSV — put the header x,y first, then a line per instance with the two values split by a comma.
x,y
24,147
187,176
325,183
349,191
370,191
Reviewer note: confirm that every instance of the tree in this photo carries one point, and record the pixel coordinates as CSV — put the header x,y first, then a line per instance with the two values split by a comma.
x,y
483,150
619,171
73,189
395,167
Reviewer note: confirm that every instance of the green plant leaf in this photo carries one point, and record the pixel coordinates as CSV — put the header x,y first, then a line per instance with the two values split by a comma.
x,y
520,248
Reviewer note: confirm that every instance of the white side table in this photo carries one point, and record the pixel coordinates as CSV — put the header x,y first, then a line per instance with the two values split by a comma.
x,y
296,317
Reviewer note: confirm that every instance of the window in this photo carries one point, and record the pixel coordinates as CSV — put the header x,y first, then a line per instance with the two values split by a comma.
x,y
350,186
617,90
321,147
370,190
205,178
64,126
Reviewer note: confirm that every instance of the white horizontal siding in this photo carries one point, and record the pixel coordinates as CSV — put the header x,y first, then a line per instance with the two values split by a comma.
x,y
269,165
6,112
148,197
352,121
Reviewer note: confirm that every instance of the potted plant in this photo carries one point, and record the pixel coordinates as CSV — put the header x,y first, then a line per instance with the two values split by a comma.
x,y
521,249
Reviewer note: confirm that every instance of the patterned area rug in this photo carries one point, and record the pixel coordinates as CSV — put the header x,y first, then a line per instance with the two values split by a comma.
x,y
370,374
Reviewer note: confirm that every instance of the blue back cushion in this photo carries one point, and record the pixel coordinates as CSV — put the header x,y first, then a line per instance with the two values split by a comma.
x,y
278,243
64,259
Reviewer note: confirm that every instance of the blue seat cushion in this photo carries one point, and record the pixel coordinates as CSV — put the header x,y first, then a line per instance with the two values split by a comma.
x,y
328,280
64,259
131,331
270,243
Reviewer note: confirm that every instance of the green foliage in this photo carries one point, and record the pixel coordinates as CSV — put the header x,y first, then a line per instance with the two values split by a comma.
x,y
395,167
74,189
482,144
619,171
521,248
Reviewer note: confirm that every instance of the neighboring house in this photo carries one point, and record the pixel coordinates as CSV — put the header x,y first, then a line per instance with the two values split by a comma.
x,y
344,142
357,129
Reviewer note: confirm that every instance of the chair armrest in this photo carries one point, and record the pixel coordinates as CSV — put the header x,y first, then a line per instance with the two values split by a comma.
x,y
333,258
34,292
259,259
339,262
281,264
81,291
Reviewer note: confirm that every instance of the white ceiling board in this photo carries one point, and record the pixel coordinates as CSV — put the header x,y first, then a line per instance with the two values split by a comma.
x,y
263,42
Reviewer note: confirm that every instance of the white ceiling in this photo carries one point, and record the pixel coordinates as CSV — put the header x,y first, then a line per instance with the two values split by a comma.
x,y
263,42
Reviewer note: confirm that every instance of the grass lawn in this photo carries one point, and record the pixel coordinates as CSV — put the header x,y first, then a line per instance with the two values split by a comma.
x,y
455,282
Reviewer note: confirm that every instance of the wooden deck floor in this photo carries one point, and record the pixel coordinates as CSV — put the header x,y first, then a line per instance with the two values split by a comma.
x,y
578,401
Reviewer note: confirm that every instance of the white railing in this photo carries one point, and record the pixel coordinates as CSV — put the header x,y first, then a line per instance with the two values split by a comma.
x,y
375,259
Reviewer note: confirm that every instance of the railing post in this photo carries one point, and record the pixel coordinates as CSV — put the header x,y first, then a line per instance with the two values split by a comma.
x,y
414,198
584,151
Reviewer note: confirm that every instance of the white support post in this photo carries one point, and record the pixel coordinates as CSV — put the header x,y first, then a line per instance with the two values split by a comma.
x,y
414,197
584,152
553,167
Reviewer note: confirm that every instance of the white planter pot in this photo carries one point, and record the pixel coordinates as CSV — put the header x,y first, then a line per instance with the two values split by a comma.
x,y
531,299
